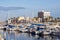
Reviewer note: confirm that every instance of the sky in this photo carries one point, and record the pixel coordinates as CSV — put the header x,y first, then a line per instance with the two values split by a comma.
x,y
15,8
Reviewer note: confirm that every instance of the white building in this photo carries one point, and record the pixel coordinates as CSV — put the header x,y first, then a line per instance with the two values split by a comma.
x,y
46,14
9,21
43,14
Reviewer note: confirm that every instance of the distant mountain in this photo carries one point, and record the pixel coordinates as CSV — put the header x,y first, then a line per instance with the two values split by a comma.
x,y
10,8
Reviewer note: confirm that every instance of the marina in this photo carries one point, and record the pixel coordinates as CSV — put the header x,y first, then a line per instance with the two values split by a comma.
x,y
18,31
29,20
35,29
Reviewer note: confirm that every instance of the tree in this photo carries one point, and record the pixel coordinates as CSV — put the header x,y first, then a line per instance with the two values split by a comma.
x,y
49,18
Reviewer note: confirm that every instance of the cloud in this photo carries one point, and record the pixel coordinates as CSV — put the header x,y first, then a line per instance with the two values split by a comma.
x,y
10,8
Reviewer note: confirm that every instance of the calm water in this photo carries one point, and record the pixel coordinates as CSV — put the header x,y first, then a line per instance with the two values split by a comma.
x,y
14,35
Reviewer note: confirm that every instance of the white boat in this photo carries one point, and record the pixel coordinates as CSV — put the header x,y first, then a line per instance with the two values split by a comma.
x,y
12,29
23,29
46,32
43,32
56,33
2,27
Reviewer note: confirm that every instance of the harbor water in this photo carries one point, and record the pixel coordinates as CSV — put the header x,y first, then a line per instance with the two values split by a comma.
x,y
15,35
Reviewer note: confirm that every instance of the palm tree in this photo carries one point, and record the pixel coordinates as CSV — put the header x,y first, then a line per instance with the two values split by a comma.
x,y
48,18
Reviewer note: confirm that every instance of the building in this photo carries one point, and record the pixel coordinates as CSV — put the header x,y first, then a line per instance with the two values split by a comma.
x,y
27,18
21,18
43,14
9,21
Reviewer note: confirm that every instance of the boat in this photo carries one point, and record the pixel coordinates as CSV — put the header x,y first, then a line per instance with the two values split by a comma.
x,y
2,27
11,28
46,32
39,30
23,29
43,30
55,32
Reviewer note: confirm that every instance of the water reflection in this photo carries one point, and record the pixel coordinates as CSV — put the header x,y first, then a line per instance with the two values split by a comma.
x,y
2,35
14,35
